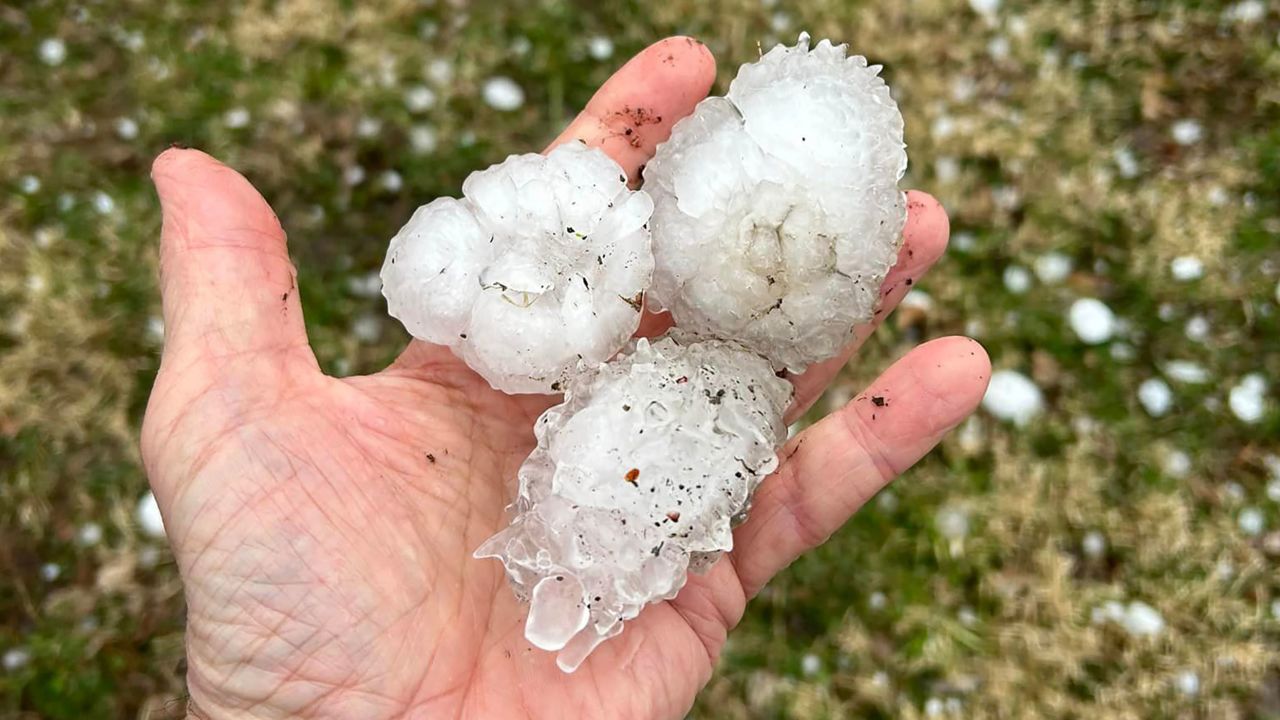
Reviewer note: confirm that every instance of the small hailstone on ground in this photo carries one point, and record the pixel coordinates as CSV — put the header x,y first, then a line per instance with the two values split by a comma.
x,y
952,523
89,534
127,128
391,181
810,664
16,658
1186,268
1234,491
368,285
52,51
1052,267
1126,162
419,98
1245,12
1013,396
877,601
964,241
440,71
1252,521
541,265
1197,328
985,7
1176,464
368,127
29,184
367,328
600,47
1094,544
1092,321
1017,279
155,329
148,516
1142,619
887,500
50,572
1247,398
947,169
967,616
1155,396
638,477
423,139
103,203
502,93
777,213
236,118
1123,351
1275,609
934,707
1187,131
1186,371
1188,683
353,175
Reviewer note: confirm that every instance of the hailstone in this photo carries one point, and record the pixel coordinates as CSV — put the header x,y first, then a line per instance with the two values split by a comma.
x,y
637,477
539,267
777,213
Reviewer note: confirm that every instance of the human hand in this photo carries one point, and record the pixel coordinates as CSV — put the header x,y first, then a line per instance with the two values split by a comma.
x,y
324,527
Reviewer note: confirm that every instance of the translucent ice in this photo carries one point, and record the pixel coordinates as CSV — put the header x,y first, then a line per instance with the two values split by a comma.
x,y
541,265
637,478
777,213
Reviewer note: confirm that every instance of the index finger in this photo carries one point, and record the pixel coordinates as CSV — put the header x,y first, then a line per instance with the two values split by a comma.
x,y
635,109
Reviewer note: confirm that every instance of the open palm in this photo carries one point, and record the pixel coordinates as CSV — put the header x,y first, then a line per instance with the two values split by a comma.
x,y
324,527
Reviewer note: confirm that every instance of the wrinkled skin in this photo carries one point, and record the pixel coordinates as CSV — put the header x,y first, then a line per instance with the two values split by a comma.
x,y
324,527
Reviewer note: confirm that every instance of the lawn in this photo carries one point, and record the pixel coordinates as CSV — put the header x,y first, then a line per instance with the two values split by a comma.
x,y
1112,170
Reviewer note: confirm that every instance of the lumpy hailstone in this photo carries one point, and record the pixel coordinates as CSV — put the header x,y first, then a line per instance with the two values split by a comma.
x,y
777,213
540,266
637,478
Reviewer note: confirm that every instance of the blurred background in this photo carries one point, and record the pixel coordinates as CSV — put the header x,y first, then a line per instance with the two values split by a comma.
x,y
1101,540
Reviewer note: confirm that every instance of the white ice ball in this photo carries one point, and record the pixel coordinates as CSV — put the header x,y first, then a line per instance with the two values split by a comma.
x,y
777,213
542,265
1013,396
637,478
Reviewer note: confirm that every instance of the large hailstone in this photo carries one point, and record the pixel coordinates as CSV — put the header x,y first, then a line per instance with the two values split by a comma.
x,y
540,266
777,213
637,477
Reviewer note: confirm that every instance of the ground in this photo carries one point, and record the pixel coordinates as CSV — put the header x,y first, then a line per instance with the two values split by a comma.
x,y
1105,558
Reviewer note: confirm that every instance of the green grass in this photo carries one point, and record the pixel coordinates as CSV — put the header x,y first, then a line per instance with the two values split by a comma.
x,y
1015,124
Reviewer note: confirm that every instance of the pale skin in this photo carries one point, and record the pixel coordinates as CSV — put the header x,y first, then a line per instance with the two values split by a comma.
x,y
324,527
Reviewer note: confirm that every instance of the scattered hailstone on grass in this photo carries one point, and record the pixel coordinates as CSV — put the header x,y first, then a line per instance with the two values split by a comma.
x,y
89,534
502,93
440,71
1017,279
29,184
1013,396
16,658
353,175
368,127
423,139
1176,464
419,98
1155,396
236,118
810,664
777,213
52,51
127,128
952,523
1188,683
148,516
50,572
391,181
600,47
1052,268
1094,544
1187,131
1186,268
1245,12
637,478
1092,321
934,707
877,601
1142,619
1186,371
1247,399
1197,328
1252,522
1126,162
541,265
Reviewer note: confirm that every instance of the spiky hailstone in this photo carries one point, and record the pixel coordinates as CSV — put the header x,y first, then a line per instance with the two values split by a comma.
x,y
777,213
637,478
540,266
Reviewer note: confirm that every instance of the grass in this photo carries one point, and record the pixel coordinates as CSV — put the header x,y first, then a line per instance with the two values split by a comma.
x,y
1047,128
